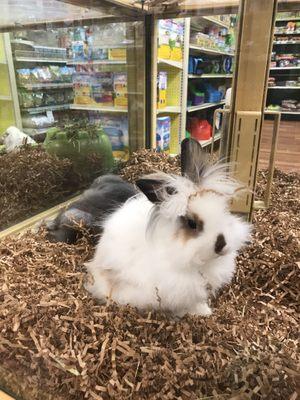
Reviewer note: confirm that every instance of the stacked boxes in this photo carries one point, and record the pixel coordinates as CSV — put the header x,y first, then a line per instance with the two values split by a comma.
x,y
101,88
120,90
170,39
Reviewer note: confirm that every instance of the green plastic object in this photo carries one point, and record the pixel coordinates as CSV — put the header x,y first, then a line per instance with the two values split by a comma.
x,y
90,154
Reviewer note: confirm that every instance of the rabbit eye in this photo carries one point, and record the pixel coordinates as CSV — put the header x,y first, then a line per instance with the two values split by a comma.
x,y
191,223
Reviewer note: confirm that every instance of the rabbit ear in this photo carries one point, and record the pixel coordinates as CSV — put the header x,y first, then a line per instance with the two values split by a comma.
x,y
153,188
193,159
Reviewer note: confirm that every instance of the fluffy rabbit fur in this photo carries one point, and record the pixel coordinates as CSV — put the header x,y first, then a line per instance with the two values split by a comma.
x,y
105,194
173,244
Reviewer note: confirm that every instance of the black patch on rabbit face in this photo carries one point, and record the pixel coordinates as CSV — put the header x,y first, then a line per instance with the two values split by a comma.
x,y
220,243
190,226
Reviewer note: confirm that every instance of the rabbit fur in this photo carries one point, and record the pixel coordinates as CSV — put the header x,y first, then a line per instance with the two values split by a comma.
x,y
104,195
174,244
13,138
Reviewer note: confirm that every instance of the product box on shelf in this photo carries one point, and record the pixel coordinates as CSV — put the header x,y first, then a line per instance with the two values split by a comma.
x,y
120,89
170,39
82,89
116,128
118,54
162,82
102,89
163,133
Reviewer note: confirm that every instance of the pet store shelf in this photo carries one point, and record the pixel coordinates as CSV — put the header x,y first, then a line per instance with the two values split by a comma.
x,y
169,109
290,112
210,76
216,21
110,109
42,60
98,62
5,98
286,42
204,106
287,19
206,22
205,143
284,87
37,86
210,51
175,64
288,34
267,111
36,110
284,68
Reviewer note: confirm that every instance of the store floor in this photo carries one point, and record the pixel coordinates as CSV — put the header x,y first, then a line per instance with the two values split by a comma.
x,y
288,148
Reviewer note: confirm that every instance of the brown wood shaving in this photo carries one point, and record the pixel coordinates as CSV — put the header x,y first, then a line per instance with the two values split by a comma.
x,y
31,181
57,342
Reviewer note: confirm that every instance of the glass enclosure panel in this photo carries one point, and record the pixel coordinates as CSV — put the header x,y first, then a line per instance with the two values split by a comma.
x,y
78,101
73,93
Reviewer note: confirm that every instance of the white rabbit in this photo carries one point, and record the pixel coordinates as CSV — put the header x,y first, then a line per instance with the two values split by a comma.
x,y
14,138
172,245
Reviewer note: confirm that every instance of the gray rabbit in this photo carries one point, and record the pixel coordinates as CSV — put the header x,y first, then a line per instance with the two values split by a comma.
x,y
106,193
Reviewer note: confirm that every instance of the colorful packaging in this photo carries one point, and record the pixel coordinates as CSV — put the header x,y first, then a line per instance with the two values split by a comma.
x,y
78,50
116,128
82,89
162,81
102,89
24,76
118,54
120,90
170,39
163,133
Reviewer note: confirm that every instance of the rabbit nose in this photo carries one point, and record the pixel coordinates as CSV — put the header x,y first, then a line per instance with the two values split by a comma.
x,y
220,243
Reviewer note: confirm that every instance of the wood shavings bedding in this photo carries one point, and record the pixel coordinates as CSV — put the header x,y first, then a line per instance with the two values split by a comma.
x,y
57,342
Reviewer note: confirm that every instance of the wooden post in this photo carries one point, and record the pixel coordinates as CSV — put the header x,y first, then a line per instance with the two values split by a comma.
x,y
248,95
136,85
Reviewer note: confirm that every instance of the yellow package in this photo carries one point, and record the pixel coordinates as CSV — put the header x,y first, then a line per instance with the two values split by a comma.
x,y
83,94
176,54
162,89
117,54
164,52
121,99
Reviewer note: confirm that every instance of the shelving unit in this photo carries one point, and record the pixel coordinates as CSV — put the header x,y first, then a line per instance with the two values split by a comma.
x,y
205,143
209,51
98,62
169,109
102,109
204,106
37,110
39,86
284,87
41,60
206,110
210,76
284,68
9,105
171,63
285,49
175,104
179,79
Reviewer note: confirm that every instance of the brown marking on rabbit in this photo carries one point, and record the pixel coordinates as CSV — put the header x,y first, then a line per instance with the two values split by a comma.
x,y
190,227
